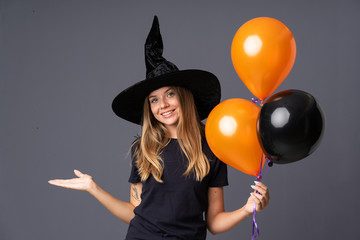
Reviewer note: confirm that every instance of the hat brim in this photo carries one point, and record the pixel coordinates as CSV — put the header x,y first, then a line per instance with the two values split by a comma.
x,y
204,86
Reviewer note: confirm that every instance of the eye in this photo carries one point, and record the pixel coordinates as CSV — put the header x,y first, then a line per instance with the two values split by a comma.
x,y
170,94
153,100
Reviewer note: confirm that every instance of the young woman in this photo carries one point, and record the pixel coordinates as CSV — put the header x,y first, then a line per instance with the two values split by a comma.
x,y
176,181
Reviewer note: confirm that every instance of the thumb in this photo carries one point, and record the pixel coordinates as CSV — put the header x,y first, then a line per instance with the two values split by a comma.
x,y
78,173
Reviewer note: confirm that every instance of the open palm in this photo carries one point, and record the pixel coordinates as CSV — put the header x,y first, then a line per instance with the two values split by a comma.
x,y
83,182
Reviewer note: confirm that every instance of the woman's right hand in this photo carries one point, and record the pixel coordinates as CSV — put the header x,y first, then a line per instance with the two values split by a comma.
x,y
83,182
122,210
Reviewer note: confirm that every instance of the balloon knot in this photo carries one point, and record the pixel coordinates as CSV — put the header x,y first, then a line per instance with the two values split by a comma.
x,y
254,100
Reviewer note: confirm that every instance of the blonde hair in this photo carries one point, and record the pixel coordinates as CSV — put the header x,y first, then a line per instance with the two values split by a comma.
x,y
152,141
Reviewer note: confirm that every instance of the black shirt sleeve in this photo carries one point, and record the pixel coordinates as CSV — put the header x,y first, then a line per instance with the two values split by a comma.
x,y
218,174
134,174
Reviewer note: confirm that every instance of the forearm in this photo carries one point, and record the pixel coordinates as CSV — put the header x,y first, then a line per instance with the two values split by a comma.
x,y
224,221
122,210
219,221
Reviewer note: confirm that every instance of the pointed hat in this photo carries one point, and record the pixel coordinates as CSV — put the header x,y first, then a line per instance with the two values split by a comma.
x,y
204,85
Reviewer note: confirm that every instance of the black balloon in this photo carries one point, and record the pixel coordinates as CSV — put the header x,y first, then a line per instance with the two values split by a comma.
x,y
290,126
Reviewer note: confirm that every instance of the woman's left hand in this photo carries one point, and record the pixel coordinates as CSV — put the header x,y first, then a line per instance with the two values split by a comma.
x,y
260,196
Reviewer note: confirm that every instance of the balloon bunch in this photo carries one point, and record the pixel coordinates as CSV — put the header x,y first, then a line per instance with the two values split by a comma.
x,y
290,124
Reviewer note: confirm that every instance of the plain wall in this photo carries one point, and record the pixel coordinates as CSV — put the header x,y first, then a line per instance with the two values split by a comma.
x,y
63,62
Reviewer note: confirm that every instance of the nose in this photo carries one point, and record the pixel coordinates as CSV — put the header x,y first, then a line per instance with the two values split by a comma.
x,y
164,103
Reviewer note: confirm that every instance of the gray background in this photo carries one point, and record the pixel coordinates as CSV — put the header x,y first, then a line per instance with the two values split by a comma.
x,y
62,63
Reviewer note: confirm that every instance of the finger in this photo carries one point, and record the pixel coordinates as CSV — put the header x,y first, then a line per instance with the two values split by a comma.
x,y
52,181
261,185
263,200
255,198
78,173
258,189
258,204
67,183
58,182
264,191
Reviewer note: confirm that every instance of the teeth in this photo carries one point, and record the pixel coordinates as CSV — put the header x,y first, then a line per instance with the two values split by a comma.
x,y
167,113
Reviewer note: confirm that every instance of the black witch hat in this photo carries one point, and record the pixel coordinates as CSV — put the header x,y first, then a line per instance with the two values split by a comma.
x,y
204,85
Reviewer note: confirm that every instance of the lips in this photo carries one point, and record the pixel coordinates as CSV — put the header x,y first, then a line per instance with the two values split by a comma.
x,y
167,114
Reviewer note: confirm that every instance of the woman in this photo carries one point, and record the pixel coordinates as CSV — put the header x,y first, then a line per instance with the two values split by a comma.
x,y
175,178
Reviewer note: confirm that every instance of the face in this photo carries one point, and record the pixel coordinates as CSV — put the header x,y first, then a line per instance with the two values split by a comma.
x,y
165,106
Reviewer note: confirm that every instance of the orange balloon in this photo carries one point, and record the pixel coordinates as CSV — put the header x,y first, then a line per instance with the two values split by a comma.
x,y
231,134
263,52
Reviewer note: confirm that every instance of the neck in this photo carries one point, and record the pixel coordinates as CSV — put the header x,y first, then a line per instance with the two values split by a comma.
x,y
171,132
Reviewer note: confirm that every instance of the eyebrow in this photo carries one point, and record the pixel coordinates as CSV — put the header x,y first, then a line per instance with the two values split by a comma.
x,y
170,88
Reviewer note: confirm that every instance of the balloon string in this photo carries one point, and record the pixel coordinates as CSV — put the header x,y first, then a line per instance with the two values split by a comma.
x,y
255,229
258,178
255,100
255,226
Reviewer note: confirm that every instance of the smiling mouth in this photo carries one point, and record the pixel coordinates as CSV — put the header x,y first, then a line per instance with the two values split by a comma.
x,y
166,114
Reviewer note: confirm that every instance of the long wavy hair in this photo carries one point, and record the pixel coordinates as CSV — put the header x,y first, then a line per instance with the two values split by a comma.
x,y
190,131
